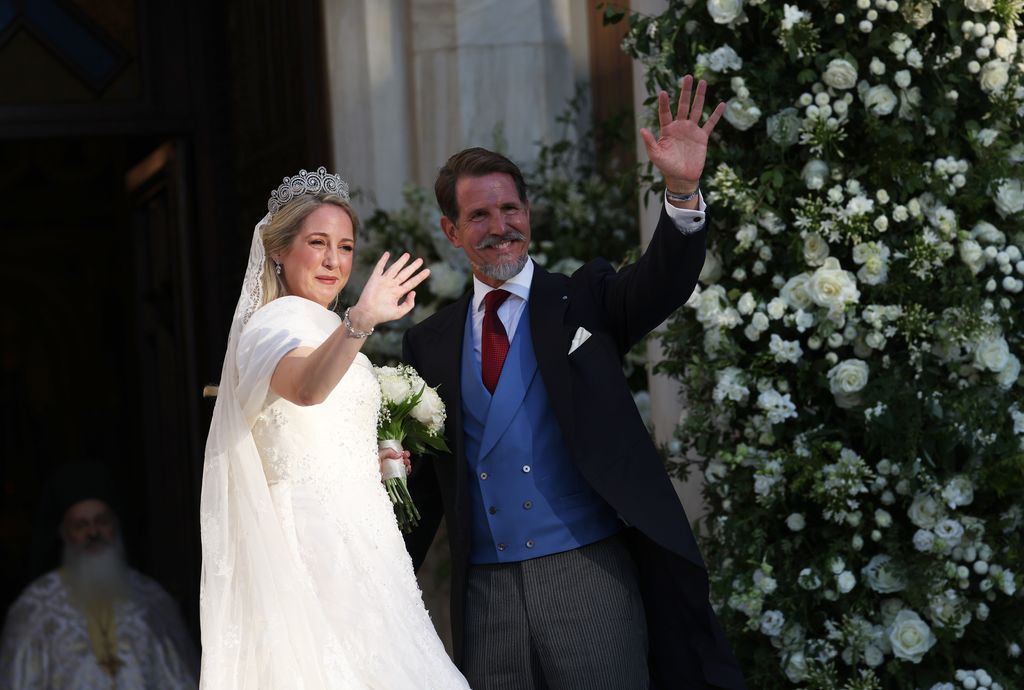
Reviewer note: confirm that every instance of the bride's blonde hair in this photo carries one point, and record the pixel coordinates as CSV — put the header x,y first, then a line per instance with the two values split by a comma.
x,y
279,233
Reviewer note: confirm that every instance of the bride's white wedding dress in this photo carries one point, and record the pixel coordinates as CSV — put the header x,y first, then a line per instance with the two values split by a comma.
x,y
317,588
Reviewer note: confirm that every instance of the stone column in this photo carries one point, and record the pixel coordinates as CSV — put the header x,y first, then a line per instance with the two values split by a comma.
x,y
666,404
492,73
368,81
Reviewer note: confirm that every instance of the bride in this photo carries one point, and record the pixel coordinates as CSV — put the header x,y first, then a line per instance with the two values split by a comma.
x,y
306,583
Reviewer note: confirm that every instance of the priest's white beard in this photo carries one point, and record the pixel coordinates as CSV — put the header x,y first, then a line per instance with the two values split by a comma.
x,y
99,577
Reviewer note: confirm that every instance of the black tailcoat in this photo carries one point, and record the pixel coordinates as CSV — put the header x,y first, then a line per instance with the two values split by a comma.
x,y
605,434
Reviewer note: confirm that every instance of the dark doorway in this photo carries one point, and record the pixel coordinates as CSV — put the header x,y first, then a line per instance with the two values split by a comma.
x,y
131,175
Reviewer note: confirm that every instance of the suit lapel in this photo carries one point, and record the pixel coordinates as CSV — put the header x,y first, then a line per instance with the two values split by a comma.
x,y
442,364
549,300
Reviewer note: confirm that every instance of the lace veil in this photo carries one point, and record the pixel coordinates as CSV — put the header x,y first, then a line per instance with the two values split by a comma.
x,y
261,626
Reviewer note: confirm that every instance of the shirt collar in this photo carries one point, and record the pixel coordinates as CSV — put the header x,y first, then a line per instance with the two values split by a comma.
x,y
518,285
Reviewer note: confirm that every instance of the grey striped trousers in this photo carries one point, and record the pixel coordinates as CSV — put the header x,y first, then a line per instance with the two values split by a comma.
x,y
569,621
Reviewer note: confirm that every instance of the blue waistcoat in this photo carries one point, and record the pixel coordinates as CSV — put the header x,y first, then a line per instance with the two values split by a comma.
x,y
528,499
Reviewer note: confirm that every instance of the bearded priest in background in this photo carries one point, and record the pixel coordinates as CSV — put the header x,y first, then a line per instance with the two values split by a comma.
x,y
93,623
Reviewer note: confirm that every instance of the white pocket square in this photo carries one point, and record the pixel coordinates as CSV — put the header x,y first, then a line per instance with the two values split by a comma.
x,y
581,337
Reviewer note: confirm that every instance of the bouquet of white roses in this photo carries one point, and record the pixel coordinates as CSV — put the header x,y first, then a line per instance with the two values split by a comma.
x,y
411,417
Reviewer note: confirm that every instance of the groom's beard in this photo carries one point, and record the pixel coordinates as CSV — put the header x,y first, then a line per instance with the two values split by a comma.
x,y
96,577
508,270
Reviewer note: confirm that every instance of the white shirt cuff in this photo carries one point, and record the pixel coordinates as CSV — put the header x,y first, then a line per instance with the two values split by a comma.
x,y
688,221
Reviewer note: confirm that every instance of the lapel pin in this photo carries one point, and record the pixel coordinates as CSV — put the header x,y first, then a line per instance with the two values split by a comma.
x,y
565,296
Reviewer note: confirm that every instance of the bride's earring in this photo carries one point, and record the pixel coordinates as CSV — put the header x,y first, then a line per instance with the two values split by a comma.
x,y
277,268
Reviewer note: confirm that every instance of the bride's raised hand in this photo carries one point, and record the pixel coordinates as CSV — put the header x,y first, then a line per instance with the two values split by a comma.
x,y
389,293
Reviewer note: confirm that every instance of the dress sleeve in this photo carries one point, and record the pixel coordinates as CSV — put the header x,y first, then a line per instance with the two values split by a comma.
x,y
275,330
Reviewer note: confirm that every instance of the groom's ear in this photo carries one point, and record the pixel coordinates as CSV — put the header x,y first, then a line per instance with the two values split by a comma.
x,y
451,232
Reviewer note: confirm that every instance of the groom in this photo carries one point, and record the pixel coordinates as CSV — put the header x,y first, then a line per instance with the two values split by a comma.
x,y
573,564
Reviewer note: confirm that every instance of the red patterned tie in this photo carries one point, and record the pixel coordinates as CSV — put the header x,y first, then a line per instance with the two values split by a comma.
x,y
493,340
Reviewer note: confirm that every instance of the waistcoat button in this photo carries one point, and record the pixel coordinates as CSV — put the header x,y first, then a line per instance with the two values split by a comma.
x,y
492,510
483,475
529,543
501,547
527,504
526,469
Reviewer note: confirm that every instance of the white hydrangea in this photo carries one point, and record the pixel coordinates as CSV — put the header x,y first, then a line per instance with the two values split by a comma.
x,y
729,386
722,59
785,350
777,407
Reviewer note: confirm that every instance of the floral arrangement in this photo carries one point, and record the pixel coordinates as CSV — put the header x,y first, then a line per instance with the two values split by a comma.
x,y
411,418
851,360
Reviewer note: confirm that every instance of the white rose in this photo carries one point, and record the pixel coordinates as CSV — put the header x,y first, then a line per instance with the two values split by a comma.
x,y
747,304
924,540
815,173
725,11
741,113
1009,197
846,581
1005,48
873,656
429,411
1010,373
978,5
902,78
972,256
794,292
995,74
925,511
918,13
984,231
992,353
881,578
840,74
808,579
712,269
759,321
772,622
394,387
846,379
815,249
949,531
880,100
796,668
910,637
776,308
832,287
796,522
849,376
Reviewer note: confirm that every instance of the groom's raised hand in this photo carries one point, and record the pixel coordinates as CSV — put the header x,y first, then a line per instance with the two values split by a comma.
x,y
681,148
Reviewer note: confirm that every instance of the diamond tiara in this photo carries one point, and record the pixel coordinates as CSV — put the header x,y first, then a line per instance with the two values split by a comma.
x,y
318,182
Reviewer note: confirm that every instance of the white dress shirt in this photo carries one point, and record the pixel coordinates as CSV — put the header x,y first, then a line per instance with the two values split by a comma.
x,y
688,221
